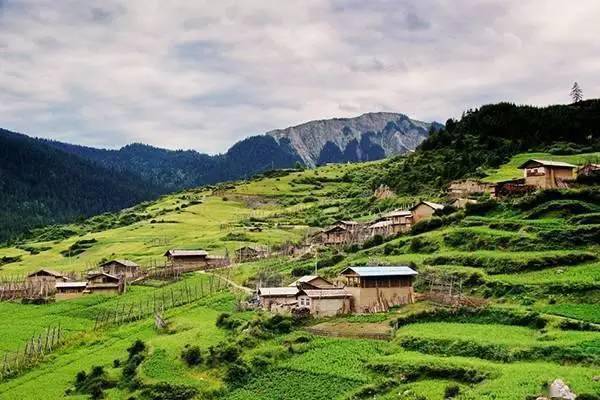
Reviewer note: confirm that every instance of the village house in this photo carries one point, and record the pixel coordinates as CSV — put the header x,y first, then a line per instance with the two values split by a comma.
x,y
425,210
340,233
46,276
544,174
381,228
589,169
312,282
125,268
278,299
101,282
321,302
248,253
325,302
71,289
187,258
375,289
392,223
465,188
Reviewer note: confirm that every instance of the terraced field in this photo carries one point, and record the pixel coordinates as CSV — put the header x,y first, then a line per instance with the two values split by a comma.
x,y
534,261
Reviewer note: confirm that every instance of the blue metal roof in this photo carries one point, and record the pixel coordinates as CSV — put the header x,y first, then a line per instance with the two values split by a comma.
x,y
382,271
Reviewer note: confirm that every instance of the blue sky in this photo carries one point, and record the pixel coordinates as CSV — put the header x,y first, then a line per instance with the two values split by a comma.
x,y
204,74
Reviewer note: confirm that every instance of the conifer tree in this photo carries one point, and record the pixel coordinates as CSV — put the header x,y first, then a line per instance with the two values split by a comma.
x,y
576,93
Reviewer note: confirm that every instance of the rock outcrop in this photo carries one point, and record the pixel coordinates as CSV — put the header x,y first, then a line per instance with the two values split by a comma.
x,y
370,136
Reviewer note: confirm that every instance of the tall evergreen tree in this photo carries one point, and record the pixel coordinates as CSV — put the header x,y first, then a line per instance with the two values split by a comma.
x,y
576,93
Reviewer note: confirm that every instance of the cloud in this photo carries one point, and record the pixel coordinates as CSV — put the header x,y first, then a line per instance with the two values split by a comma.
x,y
204,74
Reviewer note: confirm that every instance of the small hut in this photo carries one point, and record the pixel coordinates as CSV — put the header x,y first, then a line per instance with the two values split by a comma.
x,y
101,282
544,174
187,258
125,268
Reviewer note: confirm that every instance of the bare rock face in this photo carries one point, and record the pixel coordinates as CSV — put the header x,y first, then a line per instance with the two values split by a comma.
x,y
370,136
560,391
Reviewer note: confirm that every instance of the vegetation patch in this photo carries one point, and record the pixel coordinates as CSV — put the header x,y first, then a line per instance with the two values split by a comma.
x,y
474,315
78,247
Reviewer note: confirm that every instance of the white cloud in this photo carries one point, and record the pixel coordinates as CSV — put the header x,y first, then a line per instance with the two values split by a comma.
x,y
205,74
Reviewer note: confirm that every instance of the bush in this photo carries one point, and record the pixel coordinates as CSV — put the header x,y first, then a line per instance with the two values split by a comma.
x,y
574,325
451,391
238,373
93,383
226,321
330,262
302,270
168,391
373,241
481,208
474,315
426,225
192,355
422,245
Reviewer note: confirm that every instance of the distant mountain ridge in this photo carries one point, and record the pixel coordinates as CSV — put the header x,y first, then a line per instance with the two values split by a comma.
x,y
45,181
369,136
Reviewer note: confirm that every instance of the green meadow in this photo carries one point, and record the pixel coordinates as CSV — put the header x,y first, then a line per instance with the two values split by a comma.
x,y
518,256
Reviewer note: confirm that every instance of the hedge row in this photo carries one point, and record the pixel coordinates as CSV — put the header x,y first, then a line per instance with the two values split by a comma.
x,y
474,315
501,265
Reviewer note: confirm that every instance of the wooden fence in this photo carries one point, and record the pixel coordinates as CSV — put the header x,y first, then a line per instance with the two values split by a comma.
x,y
166,298
34,351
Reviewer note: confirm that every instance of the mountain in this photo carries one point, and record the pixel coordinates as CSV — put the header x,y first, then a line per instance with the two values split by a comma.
x,y
370,136
45,181
41,185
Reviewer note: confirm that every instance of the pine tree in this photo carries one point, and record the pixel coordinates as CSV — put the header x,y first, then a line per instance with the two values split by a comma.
x,y
576,93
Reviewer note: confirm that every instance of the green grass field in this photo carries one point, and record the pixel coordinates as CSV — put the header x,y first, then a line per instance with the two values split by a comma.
x,y
502,255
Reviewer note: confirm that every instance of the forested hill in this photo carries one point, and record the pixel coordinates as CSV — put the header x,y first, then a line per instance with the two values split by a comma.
x,y
487,137
40,184
172,170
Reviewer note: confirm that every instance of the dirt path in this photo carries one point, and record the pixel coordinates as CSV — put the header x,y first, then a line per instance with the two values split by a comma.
x,y
229,281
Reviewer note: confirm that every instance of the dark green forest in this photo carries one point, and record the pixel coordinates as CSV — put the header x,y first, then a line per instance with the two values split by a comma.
x,y
42,185
487,137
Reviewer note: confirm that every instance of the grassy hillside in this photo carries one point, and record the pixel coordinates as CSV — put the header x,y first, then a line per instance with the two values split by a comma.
x,y
535,262
510,170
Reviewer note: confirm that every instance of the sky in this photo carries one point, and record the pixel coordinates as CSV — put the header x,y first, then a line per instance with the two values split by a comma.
x,y
204,74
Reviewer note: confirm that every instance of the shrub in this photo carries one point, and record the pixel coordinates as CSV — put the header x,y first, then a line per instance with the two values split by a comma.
x,y
329,262
481,208
226,321
136,348
169,391
192,355
564,208
373,241
574,325
451,391
238,373
589,218
474,315
426,225
93,383
422,245
302,270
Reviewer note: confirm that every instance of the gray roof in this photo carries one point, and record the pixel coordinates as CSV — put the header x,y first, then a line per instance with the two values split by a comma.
x,y
397,213
186,253
381,224
46,271
278,291
381,271
127,263
547,163
308,279
71,284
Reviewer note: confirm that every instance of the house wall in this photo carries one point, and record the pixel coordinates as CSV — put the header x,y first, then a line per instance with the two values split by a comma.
x,y
267,303
546,177
378,299
422,211
188,262
69,294
118,269
329,306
